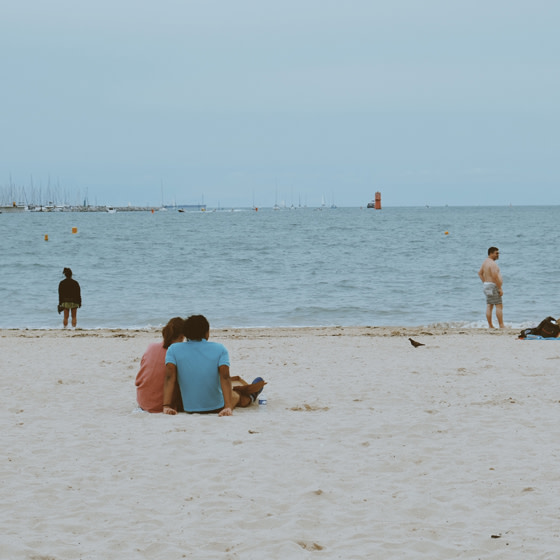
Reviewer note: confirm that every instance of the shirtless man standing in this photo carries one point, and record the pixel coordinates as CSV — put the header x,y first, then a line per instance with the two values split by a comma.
x,y
491,278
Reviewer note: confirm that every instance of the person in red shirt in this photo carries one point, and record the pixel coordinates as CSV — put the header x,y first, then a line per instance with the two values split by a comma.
x,y
150,378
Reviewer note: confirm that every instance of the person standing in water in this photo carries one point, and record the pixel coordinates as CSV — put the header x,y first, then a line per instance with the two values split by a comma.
x,y
69,297
491,278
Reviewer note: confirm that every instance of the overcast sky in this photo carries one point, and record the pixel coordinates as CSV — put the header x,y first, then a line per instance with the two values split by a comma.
x,y
253,101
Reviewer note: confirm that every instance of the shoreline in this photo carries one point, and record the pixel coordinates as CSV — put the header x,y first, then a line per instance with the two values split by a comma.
x,y
268,332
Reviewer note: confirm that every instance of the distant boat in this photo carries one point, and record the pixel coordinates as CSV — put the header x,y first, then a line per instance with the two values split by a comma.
x,y
276,205
13,208
111,210
189,207
162,207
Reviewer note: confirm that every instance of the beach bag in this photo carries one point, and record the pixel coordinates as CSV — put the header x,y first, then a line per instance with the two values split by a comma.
x,y
547,328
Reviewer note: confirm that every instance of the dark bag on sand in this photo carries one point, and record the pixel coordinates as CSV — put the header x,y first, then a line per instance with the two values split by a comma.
x,y
548,328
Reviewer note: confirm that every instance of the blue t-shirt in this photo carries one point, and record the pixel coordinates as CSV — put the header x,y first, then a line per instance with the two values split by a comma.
x,y
197,363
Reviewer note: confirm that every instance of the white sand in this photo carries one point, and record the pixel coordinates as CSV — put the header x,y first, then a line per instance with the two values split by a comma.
x,y
368,448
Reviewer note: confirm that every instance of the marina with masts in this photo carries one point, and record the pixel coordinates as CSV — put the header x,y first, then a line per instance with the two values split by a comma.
x,y
15,199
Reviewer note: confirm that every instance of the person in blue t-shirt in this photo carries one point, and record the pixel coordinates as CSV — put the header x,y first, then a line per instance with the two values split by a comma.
x,y
202,370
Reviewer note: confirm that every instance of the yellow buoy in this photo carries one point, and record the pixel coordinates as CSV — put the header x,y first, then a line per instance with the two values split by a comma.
x,y
74,230
46,237
446,233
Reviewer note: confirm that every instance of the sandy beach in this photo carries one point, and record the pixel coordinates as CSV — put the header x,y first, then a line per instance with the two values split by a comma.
x,y
368,448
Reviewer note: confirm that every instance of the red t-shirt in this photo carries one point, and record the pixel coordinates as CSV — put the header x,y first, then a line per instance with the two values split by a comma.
x,y
150,379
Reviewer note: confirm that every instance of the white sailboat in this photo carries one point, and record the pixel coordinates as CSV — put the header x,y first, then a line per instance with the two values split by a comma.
x,y
162,207
13,208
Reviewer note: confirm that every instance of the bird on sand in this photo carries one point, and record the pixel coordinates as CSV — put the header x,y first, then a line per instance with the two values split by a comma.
x,y
415,344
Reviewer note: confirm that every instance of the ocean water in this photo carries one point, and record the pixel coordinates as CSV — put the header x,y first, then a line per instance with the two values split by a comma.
x,y
302,267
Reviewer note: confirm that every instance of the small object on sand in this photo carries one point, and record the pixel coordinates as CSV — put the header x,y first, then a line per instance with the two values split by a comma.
x,y
415,344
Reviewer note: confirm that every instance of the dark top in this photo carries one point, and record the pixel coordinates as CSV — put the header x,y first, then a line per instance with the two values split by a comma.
x,y
69,291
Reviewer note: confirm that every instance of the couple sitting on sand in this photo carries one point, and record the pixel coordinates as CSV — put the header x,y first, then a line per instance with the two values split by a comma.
x,y
192,376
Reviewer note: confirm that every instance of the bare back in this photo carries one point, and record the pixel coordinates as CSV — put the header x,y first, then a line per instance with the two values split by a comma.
x,y
490,272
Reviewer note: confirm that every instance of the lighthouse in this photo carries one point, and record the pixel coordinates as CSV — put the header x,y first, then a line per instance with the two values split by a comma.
x,y
375,203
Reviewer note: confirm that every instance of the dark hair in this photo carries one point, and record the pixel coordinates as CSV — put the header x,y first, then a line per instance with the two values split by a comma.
x,y
492,250
173,330
196,327
67,272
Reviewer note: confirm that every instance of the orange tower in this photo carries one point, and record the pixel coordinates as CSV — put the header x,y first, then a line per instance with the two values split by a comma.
x,y
378,200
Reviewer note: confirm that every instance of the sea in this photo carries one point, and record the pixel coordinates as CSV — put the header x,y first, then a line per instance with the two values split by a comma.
x,y
409,266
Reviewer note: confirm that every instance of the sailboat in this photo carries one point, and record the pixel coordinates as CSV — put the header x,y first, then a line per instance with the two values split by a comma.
x,y
13,208
162,207
276,207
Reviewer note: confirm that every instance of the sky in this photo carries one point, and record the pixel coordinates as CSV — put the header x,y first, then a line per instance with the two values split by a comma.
x,y
253,102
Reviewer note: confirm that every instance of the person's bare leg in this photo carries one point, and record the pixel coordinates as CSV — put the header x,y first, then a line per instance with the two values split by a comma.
x,y
65,318
74,317
489,308
237,399
500,314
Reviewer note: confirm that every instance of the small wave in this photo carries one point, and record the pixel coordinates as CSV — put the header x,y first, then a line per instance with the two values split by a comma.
x,y
454,325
